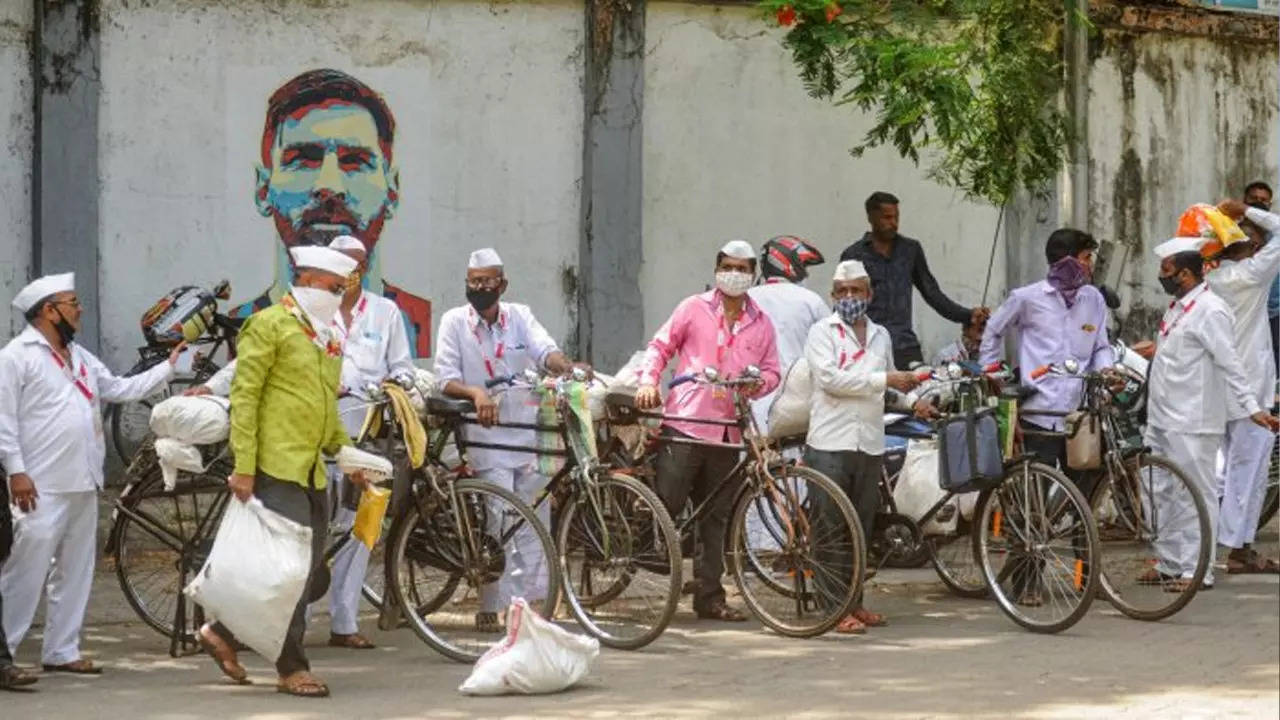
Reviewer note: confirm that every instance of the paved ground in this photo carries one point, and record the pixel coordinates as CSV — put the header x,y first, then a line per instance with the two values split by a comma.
x,y
942,657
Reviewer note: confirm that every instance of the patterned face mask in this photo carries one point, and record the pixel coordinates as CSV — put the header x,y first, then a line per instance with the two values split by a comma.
x,y
733,283
850,309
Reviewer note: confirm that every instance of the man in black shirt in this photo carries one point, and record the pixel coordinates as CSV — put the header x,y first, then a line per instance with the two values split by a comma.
x,y
896,263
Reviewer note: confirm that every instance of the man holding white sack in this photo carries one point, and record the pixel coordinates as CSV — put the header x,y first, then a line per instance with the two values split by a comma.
x,y
284,415
479,341
51,444
375,347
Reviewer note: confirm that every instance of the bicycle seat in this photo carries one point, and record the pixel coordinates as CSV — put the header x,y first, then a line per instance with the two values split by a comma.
x,y
909,428
1018,392
437,405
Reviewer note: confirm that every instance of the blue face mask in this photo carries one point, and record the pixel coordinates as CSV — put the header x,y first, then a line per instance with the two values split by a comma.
x,y
850,309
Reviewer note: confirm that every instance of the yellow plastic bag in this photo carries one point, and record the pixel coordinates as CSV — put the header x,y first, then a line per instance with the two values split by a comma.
x,y
369,514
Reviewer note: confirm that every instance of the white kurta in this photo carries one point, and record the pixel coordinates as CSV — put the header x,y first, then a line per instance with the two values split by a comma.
x,y
792,309
849,381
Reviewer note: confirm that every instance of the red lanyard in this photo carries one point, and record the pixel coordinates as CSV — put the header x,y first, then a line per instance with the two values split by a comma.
x,y
356,312
80,382
1164,331
497,352
724,340
856,356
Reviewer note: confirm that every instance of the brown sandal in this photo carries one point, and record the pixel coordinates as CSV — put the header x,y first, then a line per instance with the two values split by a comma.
x,y
870,619
75,667
224,656
1255,564
720,611
302,684
851,625
354,641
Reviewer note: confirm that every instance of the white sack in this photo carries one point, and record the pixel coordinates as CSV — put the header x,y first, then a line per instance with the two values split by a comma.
x,y
255,575
198,420
535,657
917,490
174,455
789,414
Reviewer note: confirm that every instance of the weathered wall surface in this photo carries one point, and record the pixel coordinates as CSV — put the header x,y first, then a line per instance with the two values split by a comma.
x,y
1174,120
487,102
16,143
734,147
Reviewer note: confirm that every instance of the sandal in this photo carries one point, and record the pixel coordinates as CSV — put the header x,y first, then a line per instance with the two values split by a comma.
x,y
870,619
720,611
1155,577
354,641
302,684
224,656
1254,564
75,667
851,625
12,677
487,622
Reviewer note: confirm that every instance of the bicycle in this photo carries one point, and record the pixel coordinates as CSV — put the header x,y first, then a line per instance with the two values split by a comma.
x,y
805,575
1141,501
130,422
160,538
617,558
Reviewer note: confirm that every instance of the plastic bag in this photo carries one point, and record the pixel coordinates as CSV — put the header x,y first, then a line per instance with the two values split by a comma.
x,y
917,490
174,455
198,420
370,512
255,575
351,459
789,415
535,657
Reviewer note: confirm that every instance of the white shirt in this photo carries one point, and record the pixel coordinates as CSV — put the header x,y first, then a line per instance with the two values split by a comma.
x,y
848,386
374,348
1244,285
49,428
1196,373
793,309
470,351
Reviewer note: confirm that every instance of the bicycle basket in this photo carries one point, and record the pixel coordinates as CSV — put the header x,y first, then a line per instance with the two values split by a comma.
x,y
969,455
186,313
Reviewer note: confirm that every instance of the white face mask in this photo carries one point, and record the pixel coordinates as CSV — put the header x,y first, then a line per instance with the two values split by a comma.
x,y
733,283
320,305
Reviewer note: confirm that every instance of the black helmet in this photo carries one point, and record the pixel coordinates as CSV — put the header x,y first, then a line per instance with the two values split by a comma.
x,y
787,256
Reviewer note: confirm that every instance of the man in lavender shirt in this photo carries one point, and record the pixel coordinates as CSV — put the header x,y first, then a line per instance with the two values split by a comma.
x,y
1057,318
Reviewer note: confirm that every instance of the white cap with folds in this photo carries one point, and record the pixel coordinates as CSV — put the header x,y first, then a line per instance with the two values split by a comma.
x,y
41,288
739,249
484,258
347,242
849,270
322,258
1180,245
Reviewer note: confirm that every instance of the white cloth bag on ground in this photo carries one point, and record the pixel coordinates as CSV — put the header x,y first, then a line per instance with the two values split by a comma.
x,y
535,657
197,420
918,490
789,414
255,574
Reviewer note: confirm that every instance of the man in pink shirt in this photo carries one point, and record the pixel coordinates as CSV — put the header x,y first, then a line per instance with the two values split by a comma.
x,y
723,329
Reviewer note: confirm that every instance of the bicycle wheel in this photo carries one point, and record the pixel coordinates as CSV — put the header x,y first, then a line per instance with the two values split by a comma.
x,y
161,540
1037,546
620,557
956,562
1151,505
441,557
1271,500
809,575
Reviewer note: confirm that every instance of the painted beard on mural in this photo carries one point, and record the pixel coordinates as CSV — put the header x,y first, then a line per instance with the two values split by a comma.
x,y
327,169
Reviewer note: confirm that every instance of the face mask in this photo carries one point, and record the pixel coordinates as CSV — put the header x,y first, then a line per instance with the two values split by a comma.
x,y
1068,275
319,304
66,332
732,282
1259,205
850,309
1170,284
482,300
353,281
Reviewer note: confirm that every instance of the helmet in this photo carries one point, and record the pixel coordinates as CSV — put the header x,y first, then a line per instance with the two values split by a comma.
x,y
787,256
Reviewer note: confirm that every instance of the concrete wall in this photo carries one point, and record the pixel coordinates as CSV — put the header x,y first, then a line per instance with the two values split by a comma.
x,y
734,147
1174,120
16,142
489,123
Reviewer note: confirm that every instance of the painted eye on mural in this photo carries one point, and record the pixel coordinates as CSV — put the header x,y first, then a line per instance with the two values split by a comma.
x,y
302,156
355,159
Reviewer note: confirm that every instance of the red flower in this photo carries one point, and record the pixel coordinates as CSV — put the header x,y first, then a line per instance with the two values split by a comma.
x,y
787,16
833,10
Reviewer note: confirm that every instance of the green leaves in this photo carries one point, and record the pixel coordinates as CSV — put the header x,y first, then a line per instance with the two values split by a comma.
x,y
974,81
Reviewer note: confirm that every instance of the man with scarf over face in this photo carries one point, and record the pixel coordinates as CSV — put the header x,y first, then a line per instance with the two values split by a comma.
x,y
1057,319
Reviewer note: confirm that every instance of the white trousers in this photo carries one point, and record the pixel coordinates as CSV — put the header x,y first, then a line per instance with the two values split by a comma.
x,y
525,574
350,564
1177,546
1243,480
54,548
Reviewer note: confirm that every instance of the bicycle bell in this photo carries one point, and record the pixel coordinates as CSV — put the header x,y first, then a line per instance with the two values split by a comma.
x,y
578,374
751,371
531,376
954,371
710,373
1071,366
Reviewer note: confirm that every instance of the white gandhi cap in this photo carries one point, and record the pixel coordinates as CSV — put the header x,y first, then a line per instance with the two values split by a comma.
x,y
739,249
849,270
41,288
1179,245
322,258
484,258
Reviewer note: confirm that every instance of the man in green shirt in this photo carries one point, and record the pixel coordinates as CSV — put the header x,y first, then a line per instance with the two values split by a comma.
x,y
284,415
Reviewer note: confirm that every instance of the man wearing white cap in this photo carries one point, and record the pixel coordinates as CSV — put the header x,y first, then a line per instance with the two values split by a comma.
x,y
1242,279
51,445
479,341
1195,378
375,347
851,363
724,329
284,417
